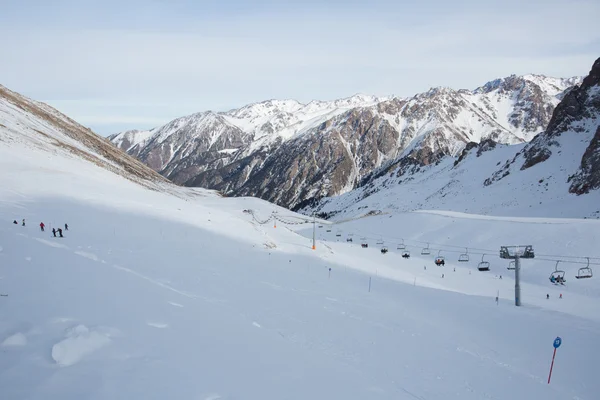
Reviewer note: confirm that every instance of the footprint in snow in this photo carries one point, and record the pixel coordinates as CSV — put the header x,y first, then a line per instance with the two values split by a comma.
x,y
175,304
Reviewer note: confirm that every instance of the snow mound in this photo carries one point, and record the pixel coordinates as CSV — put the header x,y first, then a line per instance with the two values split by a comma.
x,y
79,343
18,339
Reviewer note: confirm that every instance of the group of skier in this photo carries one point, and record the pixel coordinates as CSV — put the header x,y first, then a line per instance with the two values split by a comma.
x,y
43,226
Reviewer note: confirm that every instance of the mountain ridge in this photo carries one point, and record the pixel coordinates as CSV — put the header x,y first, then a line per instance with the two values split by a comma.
x,y
234,151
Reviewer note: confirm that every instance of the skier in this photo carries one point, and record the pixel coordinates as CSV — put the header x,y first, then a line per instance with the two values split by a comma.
x,y
60,232
560,297
42,226
54,231
66,227
15,222
547,296
23,221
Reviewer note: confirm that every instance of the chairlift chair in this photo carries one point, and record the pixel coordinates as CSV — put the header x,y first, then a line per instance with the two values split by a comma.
x,y
512,266
384,250
338,233
328,230
585,272
557,276
406,254
439,260
483,265
464,257
349,239
363,243
401,246
380,241
426,251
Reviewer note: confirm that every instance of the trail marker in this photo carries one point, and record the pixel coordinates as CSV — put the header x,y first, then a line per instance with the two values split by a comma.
x,y
556,344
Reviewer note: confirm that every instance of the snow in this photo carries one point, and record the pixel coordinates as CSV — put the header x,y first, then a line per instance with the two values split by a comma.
x,y
18,339
79,343
176,293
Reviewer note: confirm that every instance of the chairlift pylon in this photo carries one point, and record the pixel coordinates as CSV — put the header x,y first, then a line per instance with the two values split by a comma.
x,y
483,265
464,257
585,272
426,251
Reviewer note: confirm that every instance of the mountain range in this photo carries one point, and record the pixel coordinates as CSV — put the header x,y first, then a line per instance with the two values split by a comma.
x,y
557,173
293,154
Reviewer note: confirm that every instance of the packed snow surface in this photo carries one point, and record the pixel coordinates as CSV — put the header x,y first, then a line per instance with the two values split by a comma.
x,y
182,295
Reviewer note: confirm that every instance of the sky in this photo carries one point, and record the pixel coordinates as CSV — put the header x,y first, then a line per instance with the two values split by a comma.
x,y
117,65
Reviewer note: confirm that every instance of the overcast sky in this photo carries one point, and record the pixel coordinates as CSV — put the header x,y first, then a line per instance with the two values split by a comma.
x,y
115,65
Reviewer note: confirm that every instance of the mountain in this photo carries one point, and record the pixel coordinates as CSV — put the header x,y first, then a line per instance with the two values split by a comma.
x,y
159,291
556,174
291,153
34,124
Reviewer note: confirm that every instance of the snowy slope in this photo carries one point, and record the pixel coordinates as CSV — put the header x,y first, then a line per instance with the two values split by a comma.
x,y
177,293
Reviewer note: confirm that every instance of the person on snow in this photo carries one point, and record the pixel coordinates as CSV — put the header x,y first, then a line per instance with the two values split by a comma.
x,y
42,226
60,232
15,222
23,221
54,231
66,227
547,296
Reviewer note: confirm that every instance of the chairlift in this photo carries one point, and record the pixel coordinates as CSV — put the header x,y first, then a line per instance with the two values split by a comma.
x,y
585,272
348,239
406,254
426,251
320,226
401,246
380,241
384,250
464,257
363,243
512,266
483,265
338,233
439,260
557,276
328,230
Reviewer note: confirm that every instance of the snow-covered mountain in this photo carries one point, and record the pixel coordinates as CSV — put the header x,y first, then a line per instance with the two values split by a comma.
x,y
23,120
158,291
288,152
556,174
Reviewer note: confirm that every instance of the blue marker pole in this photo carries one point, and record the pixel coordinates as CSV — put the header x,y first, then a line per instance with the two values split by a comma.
x,y
557,343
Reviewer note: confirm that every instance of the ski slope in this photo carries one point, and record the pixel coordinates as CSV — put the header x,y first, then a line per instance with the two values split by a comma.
x,y
177,293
